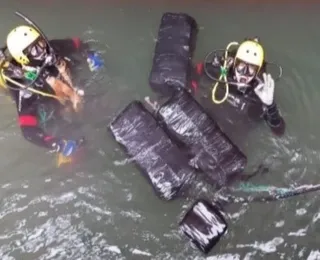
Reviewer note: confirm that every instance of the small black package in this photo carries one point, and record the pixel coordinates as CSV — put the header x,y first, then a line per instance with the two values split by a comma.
x,y
204,225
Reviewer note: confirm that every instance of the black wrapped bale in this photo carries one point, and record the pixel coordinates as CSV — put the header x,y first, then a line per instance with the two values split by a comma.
x,y
173,53
150,147
204,225
213,152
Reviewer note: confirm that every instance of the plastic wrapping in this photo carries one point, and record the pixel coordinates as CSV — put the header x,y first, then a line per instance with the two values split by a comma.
x,y
150,147
212,151
173,53
204,225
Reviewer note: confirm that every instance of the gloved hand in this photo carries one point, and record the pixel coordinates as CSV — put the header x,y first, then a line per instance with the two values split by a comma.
x,y
50,60
68,147
265,90
15,72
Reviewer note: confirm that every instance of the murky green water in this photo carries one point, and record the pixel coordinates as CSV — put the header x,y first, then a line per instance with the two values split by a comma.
x,y
103,208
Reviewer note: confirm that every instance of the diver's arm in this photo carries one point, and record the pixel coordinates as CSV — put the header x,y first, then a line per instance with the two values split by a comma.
x,y
274,119
64,71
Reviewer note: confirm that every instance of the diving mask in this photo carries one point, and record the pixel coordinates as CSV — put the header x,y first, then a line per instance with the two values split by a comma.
x,y
37,50
245,72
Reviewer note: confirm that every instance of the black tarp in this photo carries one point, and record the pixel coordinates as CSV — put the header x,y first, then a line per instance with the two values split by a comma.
x,y
204,225
212,151
173,53
152,150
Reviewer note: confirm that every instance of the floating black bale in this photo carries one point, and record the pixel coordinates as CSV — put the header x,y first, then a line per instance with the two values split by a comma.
x,y
213,152
204,225
152,150
173,53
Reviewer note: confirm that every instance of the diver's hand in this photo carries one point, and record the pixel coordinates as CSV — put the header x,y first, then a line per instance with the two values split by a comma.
x,y
14,72
50,60
265,90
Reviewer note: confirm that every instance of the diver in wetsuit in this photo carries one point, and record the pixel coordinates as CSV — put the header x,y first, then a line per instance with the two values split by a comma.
x,y
251,88
29,51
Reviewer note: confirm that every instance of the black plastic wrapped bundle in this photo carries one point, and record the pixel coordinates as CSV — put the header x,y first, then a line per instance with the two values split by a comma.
x,y
173,53
212,151
150,147
204,225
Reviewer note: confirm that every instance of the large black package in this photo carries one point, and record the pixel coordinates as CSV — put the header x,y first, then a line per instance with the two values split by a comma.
x,y
150,147
204,225
213,152
172,58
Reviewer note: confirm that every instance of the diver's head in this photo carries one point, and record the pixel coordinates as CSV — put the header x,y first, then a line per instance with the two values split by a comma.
x,y
27,46
248,61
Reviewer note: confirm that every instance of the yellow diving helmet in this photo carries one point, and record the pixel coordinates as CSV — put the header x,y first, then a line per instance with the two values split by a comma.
x,y
19,39
251,52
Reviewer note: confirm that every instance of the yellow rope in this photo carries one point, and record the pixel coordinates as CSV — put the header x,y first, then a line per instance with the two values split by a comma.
x,y
223,76
32,89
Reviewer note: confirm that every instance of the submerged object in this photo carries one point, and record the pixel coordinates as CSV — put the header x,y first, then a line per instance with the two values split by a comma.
x,y
204,225
173,53
213,152
94,61
152,150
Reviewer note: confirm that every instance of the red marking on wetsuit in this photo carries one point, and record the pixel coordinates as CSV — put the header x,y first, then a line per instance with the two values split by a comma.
x,y
27,120
199,68
194,86
76,42
48,138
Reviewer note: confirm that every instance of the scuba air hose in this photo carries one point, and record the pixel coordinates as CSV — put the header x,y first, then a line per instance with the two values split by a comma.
x,y
224,73
4,79
223,76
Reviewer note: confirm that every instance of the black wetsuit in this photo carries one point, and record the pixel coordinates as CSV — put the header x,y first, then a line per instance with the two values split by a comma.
x,y
28,108
247,102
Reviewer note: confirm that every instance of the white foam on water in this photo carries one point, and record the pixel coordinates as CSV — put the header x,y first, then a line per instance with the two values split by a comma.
x,y
316,217
114,249
300,233
139,252
250,256
268,247
238,214
92,208
279,223
314,255
122,162
301,212
132,214
224,257
7,185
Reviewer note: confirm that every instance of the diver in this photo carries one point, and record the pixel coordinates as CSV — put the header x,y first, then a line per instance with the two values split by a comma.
x,y
36,73
241,79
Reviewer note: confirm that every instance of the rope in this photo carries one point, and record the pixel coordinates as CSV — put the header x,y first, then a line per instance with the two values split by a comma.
x,y
275,193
